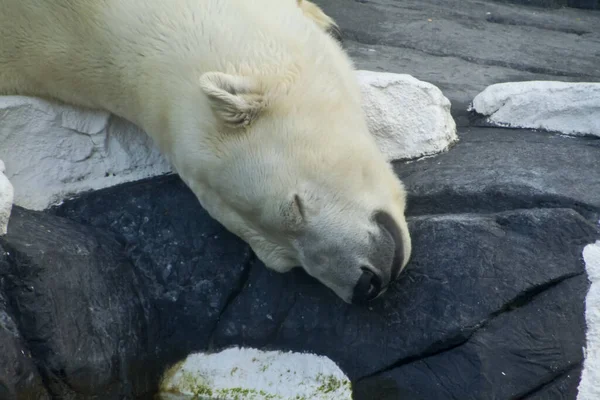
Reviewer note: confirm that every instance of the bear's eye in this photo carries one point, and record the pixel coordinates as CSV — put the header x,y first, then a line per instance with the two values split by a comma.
x,y
299,206
292,212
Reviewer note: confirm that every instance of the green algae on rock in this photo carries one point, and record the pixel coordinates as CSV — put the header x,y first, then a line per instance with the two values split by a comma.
x,y
251,374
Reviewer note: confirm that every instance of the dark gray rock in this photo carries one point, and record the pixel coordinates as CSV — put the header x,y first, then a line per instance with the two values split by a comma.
x,y
466,271
19,378
532,351
190,265
104,311
462,46
585,4
502,169
79,306
564,386
471,276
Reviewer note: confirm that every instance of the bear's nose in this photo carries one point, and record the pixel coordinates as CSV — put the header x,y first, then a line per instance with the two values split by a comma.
x,y
367,288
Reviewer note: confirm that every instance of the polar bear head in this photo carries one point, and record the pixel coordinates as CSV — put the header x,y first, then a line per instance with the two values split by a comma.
x,y
296,174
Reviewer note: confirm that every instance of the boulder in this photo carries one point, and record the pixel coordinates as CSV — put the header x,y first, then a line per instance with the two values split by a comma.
x,y
53,151
564,107
476,282
6,199
251,374
80,313
408,117
492,169
19,377
451,290
191,266
588,388
104,311
531,348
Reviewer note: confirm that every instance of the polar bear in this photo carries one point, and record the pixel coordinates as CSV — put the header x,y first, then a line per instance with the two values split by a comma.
x,y
255,105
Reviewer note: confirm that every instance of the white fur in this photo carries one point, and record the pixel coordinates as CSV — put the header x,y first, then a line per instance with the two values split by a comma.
x,y
254,104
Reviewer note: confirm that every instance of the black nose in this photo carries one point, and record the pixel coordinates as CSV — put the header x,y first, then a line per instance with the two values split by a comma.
x,y
367,288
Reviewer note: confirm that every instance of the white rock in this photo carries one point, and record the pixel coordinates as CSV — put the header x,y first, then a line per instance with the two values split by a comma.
x,y
53,151
589,387
6,200
251,374
408,117
568,108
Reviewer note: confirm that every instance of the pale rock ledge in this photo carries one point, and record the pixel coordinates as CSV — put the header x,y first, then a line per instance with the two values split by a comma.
x,y
588,386
6,200
53,151
563,107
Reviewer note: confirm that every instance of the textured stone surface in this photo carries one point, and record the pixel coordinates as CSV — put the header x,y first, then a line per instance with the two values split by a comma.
x,y
515,354
408,118
251,374
19,377
588,388
568,108
463,46
6,199
52,151
103,313
191,266
585,4
468,270
453,287
493,169
79,306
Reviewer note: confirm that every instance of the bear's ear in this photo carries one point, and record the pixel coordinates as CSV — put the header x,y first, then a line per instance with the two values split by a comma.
x,y
235,100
